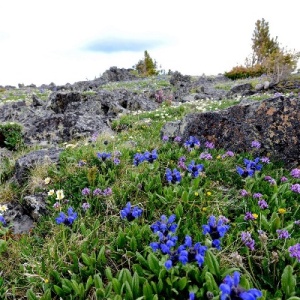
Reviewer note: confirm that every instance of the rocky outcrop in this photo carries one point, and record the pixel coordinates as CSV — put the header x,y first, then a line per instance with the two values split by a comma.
x,y
273,122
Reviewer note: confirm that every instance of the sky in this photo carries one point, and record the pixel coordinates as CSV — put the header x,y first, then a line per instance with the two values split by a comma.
x,y
64,41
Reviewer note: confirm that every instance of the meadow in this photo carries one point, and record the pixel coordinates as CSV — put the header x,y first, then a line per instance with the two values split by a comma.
x,y
137,215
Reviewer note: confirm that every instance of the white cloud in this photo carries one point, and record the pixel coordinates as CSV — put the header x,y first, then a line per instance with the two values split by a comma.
x,y
44,41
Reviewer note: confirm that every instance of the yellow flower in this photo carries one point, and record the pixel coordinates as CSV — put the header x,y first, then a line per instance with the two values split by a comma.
x,y
51,192
282,210
3,208
60,195
208,193
255,216
204,209
219,156
47,180
196,194
46,280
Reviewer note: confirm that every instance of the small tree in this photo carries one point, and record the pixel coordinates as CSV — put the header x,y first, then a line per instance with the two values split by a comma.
x,y
146,66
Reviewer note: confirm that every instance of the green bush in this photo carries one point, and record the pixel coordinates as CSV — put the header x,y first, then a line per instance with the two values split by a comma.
x,y
11,136
240,72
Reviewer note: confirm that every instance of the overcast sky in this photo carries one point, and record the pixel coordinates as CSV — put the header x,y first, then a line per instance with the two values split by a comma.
x,y
64,41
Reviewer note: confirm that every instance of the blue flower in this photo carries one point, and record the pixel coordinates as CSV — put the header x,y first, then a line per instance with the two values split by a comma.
x,y
173,177
192,296
138,158
67,219
191,143
253,164
103,156
2,220
232,290
130,213
151,157
245,172
165,225
216,230
195,170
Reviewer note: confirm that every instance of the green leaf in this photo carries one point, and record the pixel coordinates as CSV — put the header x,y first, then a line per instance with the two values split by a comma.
x,y
210,282
212,263
129,294
135,284
147,291
116,285
86,259
89,283
153,263
288,281
142,260
108,274
275,222
133,244
179,211
101,255
293,298
98,281
31,296
182,283
59,291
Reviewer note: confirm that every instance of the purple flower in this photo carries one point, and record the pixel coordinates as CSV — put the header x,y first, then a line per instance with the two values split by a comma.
x,y
255,144
177,139
81,163
295,173
67,219
107,192
165,138
296,188
297,222
231,289
181,163
94,137
97,192
283,179
247,240
265,160
230,153
130,213
249,216
295,251
85,206
257,195
116,161
283,234
263,204
86,191
244,193
205,155
209,145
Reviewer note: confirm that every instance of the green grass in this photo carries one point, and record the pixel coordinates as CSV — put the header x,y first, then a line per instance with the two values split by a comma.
x,y
102,256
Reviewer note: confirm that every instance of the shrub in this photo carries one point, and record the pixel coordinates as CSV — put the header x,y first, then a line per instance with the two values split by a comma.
x,y
240,72
11,136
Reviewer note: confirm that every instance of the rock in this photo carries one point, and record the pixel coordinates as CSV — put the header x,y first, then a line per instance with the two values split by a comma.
x,y
36,101
35,205
266,85
273,122
259,87
244,89
30,160
116,74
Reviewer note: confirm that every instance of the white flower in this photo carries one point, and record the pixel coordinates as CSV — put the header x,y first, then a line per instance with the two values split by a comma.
x,y
47,180
60,195
3,208
51,192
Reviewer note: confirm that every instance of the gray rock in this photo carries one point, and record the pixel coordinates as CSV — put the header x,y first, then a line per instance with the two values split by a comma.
x,y
30,160
35,205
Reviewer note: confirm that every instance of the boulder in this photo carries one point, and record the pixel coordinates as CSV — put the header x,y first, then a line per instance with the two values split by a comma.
x,y
273,122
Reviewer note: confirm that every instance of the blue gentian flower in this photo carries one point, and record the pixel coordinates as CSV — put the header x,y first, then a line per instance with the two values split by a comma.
x,y
192,296
67,219
192,143
138,158
245,172
216,230
173,177
103,156
130,213
2,220
232,290
165,226
195,170
253,164
151,157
